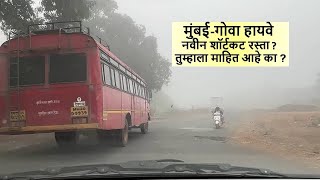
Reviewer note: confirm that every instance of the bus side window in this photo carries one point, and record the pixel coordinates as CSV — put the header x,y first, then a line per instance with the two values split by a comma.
x,y
102,73
113,82
117,78
139,89
107,77
134,87
130,85
147,94
125,84
115,63
121,81
143,93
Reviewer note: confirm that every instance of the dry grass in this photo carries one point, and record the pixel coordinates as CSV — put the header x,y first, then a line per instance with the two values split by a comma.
x,y
290,134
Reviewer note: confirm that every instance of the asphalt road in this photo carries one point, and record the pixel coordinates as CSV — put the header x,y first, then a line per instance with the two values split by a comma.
x,y
189,137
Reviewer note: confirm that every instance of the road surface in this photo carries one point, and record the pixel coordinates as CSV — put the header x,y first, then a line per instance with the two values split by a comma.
x,y
189,137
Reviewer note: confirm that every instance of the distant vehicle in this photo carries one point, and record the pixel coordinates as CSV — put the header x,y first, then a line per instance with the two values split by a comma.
x,y
217,118
62,80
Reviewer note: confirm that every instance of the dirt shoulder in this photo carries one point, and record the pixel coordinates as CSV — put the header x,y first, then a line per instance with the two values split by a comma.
x,y
292,135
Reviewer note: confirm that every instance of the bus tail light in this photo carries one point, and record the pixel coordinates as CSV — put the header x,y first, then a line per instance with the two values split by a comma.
x,y
79,120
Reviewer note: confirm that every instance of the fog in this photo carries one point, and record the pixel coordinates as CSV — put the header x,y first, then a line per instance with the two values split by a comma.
x,y
240,87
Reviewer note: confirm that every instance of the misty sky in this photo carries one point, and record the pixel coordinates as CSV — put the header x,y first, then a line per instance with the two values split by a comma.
x,y
246,86
239,86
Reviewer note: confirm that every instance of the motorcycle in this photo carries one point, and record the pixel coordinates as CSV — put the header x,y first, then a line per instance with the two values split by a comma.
x,y
217,118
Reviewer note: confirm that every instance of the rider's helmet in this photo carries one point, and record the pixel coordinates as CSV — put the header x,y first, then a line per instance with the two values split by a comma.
x,y
217,109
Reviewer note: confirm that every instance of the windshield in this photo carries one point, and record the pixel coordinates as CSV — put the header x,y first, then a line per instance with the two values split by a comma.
x,y
86,82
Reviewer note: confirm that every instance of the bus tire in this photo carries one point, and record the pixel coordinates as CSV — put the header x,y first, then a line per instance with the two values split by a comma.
x,y
122,135
66,139
144,128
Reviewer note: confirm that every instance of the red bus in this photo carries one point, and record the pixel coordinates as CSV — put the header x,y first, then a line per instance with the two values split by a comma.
x,y
63,80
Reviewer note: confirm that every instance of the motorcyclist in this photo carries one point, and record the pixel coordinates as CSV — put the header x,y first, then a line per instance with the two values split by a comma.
x,y
219,110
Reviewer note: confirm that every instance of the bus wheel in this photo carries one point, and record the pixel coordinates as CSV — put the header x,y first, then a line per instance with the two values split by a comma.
x,y
144,128
66,139
123,135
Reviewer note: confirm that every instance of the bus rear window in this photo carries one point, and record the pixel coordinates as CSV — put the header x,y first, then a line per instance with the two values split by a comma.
x,y
68,68
31,71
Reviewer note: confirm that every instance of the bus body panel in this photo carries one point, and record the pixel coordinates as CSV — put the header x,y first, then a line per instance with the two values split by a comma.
x,y
95,86
143,111
48,106
112,109
137,110
126,105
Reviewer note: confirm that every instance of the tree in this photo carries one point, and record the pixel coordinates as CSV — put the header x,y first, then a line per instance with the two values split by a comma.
x,y
67,10
16,15
129,42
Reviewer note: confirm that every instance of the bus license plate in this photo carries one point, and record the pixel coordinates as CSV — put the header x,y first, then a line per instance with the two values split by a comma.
x,y
79,111
14,115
